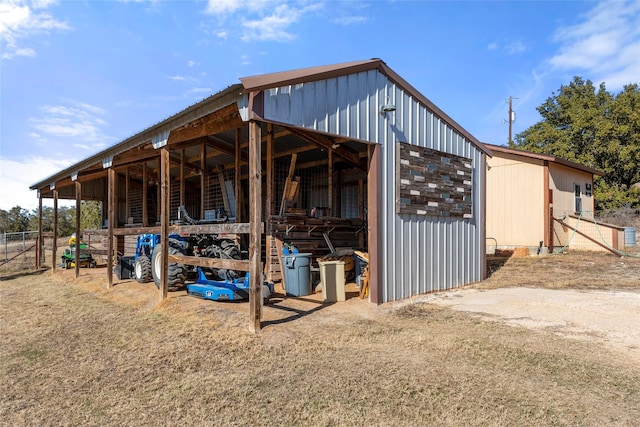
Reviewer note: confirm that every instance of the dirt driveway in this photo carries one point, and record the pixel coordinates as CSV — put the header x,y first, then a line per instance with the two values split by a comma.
x,y
608,317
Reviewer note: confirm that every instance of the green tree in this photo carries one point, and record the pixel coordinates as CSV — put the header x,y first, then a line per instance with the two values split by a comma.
x,y
596,129
14,220
90,215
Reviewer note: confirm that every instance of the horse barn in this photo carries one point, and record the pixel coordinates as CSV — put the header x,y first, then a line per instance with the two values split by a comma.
x,y
338,156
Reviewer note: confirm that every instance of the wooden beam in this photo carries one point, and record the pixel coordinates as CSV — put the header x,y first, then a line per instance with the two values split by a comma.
x,y
145,196
374,224
613,251
40,245
78,233
221,228
361,210
330,184
546,204
226,118
230,264
182,177
140,154
255,199
269,202
203,167
327,144
55,231
238,181
111,219
224,147
164,221
126,196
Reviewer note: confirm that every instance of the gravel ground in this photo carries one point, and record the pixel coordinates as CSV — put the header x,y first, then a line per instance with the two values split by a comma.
x,y
609,317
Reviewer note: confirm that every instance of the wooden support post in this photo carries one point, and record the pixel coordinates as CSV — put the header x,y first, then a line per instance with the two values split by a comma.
x,y
374,180
145,196
40,246
546,196
158,197
550,229
238,182
361,211
78,233
330,184
255,200
164,221
182,177
127,178
203,169
54,255
111,219
269,204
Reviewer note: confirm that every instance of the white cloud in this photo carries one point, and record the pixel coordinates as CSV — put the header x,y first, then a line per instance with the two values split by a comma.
x,y
77,122
272,27
20,19
606,45
16,183
515,47
261,20
225,7
350,20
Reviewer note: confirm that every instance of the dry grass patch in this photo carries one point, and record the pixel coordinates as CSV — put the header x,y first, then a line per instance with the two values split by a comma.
x,y
72,353
574,270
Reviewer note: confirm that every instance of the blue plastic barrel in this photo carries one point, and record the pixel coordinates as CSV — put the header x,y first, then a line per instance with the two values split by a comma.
x,y
297,274
629,236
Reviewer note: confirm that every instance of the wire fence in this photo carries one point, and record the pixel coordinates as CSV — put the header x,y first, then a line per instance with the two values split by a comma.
x,y
18,249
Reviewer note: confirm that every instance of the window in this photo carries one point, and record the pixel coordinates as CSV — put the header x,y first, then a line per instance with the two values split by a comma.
x,y
577,190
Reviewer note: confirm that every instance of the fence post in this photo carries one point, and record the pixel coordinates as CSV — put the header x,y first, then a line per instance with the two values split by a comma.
x,y
6,248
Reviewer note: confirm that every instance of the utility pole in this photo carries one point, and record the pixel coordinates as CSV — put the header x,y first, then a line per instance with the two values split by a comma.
x,y
512,118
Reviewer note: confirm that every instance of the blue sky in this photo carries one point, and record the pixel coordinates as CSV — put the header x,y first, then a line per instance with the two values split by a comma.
x,y
78,76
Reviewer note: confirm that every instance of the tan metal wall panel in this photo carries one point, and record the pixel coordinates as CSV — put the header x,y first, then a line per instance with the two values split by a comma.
x,y
561,181
515,201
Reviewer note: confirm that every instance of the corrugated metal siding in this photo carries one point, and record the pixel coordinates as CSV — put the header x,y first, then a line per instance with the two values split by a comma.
x,y
420,254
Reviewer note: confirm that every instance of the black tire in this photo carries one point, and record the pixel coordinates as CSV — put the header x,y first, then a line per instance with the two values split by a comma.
x,y
176,270
229,251
142,269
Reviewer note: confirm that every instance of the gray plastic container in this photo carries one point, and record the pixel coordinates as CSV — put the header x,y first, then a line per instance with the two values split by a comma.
x,y
629,236
297,274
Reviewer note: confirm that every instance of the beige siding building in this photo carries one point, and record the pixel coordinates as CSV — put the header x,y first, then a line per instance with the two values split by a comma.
x,y
542,201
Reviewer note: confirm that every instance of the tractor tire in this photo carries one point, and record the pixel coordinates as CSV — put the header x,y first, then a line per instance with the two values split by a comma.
x,y
230,251
176,270
142,269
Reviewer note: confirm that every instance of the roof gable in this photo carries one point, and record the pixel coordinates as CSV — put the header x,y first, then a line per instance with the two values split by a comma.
x,y
546,157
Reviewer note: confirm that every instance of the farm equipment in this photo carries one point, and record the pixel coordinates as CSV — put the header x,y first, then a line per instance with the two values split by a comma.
x,y
225,290
68,258
210,283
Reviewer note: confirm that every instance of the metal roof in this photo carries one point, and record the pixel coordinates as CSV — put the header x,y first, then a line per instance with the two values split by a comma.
x,y
547,157
292,77
206,106
254,83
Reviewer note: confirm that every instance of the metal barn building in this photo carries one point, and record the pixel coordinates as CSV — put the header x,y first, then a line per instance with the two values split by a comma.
x,y
377,167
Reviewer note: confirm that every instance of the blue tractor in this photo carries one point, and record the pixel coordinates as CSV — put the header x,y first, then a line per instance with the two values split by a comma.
x,y
210,283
